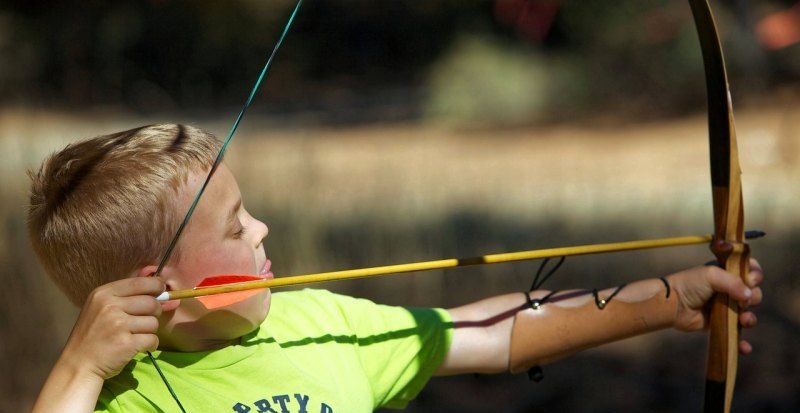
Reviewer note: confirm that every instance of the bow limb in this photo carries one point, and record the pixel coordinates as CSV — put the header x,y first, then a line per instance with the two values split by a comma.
x,y
728,246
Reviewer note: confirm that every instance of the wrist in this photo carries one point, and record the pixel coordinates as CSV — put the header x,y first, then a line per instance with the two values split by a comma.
x,y
671,301
74,370
71,387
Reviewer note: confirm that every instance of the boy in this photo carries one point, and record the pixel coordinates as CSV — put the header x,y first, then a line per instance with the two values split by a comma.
x,y
103,211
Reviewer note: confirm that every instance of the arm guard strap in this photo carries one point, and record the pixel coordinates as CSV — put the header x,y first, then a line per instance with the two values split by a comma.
x,y
547,331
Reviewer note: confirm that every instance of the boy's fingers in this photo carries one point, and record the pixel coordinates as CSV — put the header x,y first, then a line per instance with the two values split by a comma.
x,y
755,265
755,274
137,286
724,282
755,299
142,305
754,278
145,342
143,324
745,347
748,319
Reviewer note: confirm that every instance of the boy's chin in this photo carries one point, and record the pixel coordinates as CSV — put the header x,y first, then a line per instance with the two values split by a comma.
x,y
219,327
238,320
234,335
202,336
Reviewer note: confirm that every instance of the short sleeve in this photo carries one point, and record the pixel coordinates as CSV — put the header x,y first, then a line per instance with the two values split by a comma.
x,y
399,348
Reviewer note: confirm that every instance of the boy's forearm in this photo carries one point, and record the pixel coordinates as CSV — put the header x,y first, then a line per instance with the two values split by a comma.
x,y
560,327
504,333
69,388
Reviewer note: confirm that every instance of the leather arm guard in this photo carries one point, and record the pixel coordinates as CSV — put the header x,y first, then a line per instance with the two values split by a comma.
x,y
546,331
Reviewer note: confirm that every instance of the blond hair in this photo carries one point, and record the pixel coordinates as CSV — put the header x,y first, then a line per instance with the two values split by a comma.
x,y
103,207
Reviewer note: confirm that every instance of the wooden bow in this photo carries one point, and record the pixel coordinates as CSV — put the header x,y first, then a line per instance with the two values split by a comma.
x,y
728,245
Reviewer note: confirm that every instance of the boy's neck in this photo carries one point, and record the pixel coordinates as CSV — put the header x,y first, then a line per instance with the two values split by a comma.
x,y
192,346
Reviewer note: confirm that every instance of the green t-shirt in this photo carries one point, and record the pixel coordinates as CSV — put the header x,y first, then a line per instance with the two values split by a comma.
x,y
317,352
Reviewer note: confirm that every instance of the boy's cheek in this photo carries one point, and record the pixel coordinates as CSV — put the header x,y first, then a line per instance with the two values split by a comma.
x,y
218,263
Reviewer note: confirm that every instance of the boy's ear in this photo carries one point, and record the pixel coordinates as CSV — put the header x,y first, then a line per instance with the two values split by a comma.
x,y
148,271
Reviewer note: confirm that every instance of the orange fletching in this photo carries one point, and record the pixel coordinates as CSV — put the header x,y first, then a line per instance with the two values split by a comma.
x,y
222,300
215,280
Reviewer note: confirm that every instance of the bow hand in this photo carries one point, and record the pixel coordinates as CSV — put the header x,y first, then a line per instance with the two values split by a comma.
x,y
697,286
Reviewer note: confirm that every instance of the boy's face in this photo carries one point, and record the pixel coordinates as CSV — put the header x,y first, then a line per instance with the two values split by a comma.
x,y
221,238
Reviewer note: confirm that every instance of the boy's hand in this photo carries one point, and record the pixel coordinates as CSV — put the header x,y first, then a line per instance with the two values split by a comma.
x,y
696,286
117,321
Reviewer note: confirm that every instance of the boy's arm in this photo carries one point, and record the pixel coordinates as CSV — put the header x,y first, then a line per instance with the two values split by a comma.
x,y
118,321
503,333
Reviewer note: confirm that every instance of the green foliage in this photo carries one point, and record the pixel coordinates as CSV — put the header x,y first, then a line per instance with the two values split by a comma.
x,y
357,60
483,80
645,56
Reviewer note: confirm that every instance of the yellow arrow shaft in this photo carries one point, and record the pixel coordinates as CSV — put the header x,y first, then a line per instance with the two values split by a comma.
x,y
441,264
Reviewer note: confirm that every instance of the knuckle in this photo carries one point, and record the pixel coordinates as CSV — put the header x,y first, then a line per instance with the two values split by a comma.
x,y
125,342
99,294
110,309
712,272
118,323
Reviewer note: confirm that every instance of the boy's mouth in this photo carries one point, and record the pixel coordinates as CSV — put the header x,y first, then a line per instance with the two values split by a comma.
x,y
265,272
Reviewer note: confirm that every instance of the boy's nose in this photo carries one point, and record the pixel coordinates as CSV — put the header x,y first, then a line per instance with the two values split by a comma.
x,y
261,231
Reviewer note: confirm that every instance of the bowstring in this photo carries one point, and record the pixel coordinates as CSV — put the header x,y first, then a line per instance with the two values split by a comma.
x,y
224,146
213,169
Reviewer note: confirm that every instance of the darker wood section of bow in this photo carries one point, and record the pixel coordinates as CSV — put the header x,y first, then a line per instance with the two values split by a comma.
x,y
728,245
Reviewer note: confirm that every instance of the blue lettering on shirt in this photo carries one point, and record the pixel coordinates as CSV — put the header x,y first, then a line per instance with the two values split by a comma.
x,y
302,400
240,408
284,401
264,406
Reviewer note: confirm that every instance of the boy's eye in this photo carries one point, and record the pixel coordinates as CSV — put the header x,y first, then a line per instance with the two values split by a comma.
x,y
238,234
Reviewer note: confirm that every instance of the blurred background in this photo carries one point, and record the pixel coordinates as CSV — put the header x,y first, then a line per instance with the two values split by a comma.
x,y
400,131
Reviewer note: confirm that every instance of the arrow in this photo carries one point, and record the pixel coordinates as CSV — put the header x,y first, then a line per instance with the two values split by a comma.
x,y
239,287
